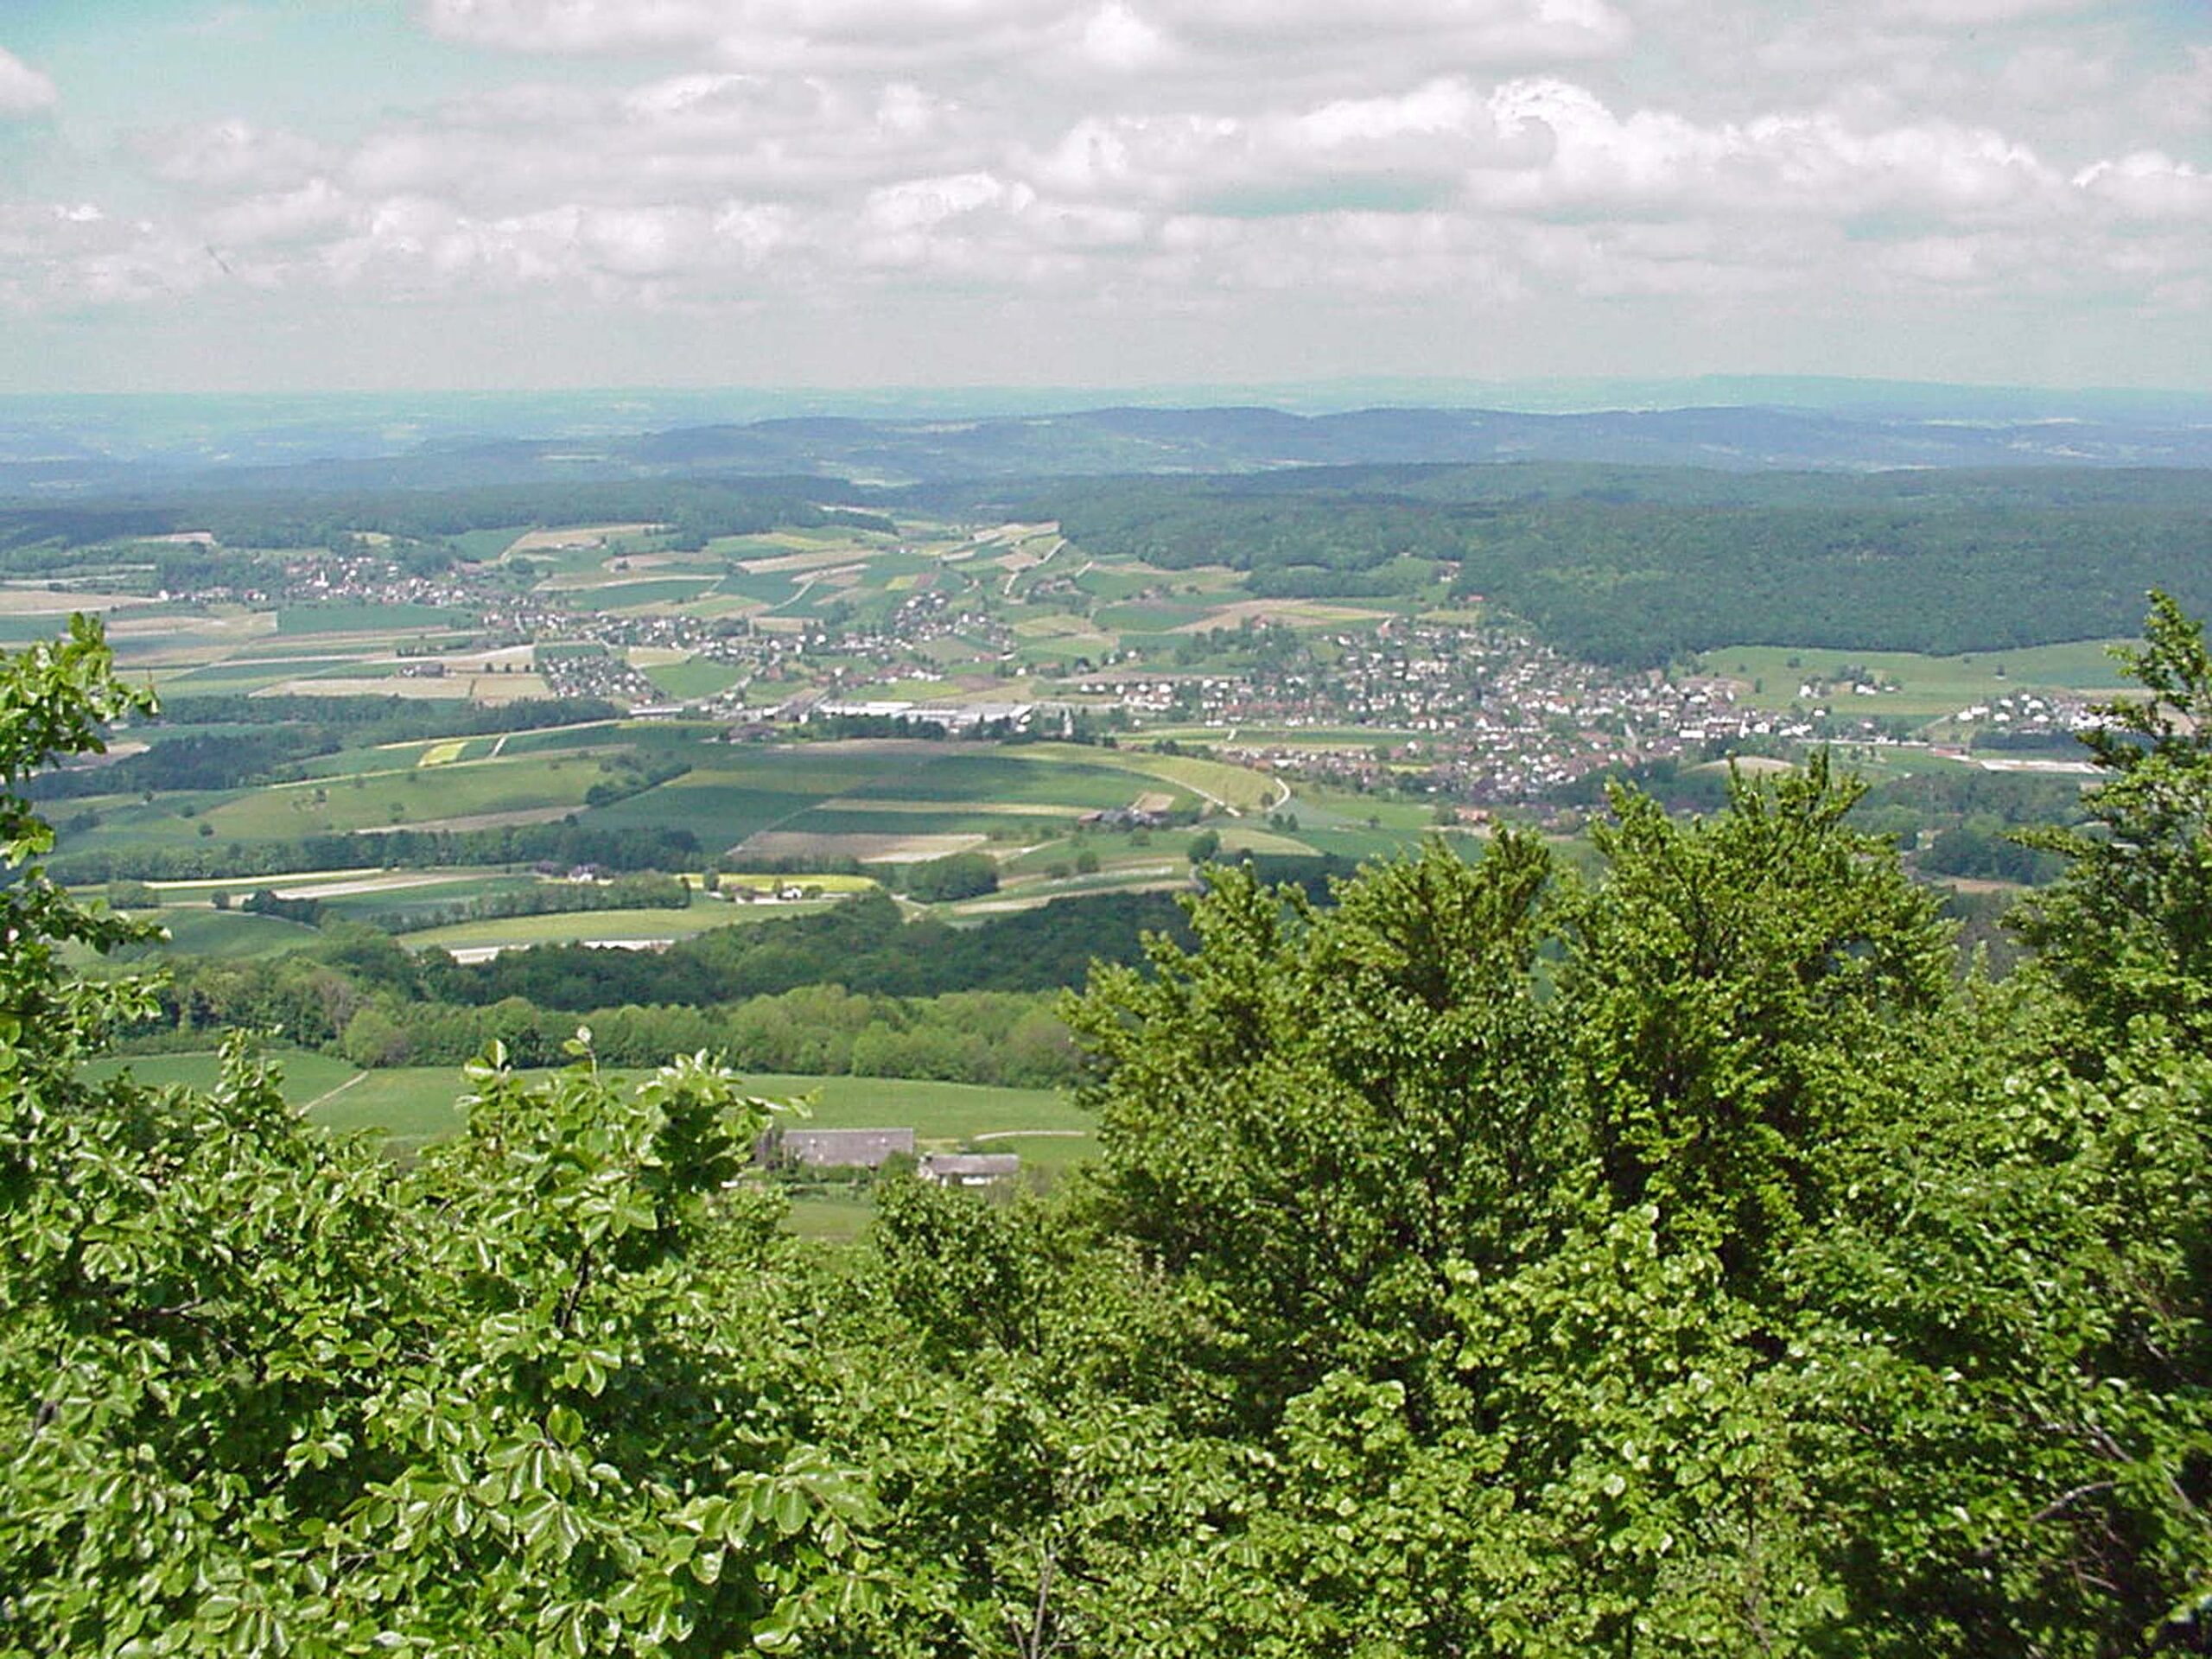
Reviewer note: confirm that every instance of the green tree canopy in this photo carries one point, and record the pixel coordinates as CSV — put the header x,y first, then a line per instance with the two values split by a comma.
x,y
262,1391
2127,930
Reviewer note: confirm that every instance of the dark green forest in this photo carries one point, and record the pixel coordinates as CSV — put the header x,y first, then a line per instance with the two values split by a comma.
x,y
1635,568
654,847
697,509
1491,1259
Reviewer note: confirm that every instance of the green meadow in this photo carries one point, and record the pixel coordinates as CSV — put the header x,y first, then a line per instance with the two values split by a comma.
x,y
900,788
699,678
225,935
306,1077
379,619
408,794
1770,677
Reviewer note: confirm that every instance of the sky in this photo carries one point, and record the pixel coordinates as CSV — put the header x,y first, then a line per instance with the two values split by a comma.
x,y
238,195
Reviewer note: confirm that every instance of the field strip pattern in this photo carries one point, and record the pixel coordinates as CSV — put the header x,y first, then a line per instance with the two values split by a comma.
x,y
940,809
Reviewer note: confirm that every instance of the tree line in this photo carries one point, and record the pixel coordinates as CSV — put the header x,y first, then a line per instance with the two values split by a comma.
x,y
855,990
653,847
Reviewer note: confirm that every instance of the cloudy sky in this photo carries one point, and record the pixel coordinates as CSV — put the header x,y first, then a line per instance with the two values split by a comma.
x,y
243,195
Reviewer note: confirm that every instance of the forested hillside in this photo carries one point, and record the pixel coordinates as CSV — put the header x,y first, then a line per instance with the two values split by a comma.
x,y
237,514
1680,1259
1623,566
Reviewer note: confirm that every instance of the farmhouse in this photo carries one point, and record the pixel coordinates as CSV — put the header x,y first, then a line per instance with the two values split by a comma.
x,y
968,1168
1121,817
836,1148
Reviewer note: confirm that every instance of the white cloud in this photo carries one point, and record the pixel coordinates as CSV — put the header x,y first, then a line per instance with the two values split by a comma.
x,y
2149,184
2049,75
575,25
23,90
315,209
923,204
1410,149
2183,98
231,155
1975,14
1944,260
767,31
1112,34
673,188
1654,161
1474,31
896,159
691,139
69,256
1116,38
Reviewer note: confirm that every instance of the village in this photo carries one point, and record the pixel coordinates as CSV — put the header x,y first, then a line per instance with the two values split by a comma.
x,y
1480,713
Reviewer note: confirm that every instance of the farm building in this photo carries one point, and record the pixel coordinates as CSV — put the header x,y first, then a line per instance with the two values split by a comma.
x,y
968,1168
838,1149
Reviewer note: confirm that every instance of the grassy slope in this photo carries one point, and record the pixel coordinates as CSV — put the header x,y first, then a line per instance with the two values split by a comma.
x,y
1930,686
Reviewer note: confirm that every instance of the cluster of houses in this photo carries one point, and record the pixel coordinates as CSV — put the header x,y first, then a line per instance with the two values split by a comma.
x,y
2024,714
595,674
901,646
1123,817
1494,716
369,578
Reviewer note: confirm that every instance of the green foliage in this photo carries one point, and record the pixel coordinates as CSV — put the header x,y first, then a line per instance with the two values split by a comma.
x,y
272,1392
265,1392
1734,986
1981,848
563,844
54,701
2128,929
1313,1113
957,876
863,945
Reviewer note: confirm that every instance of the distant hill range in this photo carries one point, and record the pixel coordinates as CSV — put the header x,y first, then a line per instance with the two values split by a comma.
x,y
65,447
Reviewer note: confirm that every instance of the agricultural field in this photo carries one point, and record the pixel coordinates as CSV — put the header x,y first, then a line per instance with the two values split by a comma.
x,y
694,679
613,928
1773,677
944,1116
222,935
412,796
892,800
764,695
